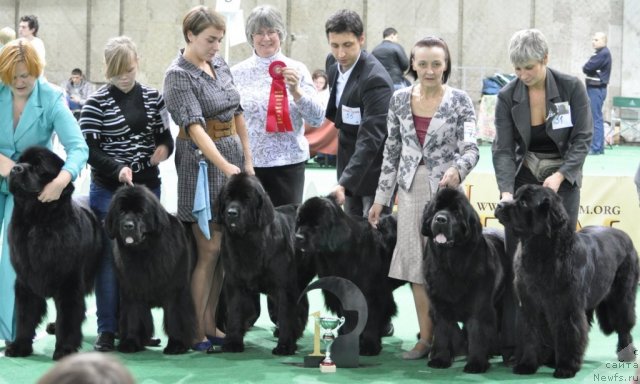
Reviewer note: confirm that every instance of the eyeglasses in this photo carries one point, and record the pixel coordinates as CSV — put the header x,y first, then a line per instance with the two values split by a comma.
x,y
270,34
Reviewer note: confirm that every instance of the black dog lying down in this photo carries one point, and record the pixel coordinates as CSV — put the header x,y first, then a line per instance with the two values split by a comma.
x,y
154,261
562,277
467,274
348,247
55,249
259,257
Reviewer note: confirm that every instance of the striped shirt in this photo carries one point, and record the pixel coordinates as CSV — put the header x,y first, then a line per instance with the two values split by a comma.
x,y
124,129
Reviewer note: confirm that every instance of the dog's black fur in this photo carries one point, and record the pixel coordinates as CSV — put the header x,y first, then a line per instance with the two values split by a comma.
x,y
258,256
154,262
562,277
467,274
348,247
55,249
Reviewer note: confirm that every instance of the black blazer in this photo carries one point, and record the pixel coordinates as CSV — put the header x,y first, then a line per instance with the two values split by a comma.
x,y
513,128
360,147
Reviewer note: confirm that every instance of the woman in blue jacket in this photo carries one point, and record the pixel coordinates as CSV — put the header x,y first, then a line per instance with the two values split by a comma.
x,y
31,110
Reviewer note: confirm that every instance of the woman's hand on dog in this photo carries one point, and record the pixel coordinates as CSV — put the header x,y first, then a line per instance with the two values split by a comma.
x,y
374,214
54,188
126,176
451,178
554,181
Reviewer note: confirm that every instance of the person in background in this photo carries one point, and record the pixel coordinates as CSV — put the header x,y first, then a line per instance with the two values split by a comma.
x,y
6,35
126,126
88,368
28,28
323,140
278,156
31,111
392,57
77,89
204,102
429,147
358,105
597,71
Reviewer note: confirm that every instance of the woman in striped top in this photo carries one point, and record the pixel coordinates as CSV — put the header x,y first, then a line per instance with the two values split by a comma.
x,y
126,126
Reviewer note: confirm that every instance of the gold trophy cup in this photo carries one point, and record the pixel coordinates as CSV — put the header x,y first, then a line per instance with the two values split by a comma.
x,y
330,326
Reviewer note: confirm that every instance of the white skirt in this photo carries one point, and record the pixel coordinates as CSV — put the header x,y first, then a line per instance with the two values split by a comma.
x,y
407,262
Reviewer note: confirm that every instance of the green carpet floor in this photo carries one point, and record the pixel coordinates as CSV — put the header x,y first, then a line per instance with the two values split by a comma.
x,y
258,365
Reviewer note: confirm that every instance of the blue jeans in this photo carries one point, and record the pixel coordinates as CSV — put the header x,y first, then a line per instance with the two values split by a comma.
x,y
597,96
107,296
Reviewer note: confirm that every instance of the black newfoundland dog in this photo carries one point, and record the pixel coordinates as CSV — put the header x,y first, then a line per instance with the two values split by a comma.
x,y
562,277
154,260
348,247
55,248
258,256
467,275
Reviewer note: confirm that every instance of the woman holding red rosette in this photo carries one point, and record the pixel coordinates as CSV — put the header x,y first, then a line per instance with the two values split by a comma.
x,y
278,96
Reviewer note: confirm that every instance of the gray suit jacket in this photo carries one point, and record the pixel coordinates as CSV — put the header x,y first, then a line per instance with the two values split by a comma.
x,y
513,128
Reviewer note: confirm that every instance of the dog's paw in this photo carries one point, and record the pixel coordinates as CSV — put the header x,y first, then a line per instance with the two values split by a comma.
x,y
18,350
129,346
230,345
63,351
477,367
284,349
627,355
370,347
175,347
439,363
564,373
524,369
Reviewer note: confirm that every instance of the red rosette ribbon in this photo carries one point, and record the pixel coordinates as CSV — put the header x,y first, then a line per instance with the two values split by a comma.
x,y
278,118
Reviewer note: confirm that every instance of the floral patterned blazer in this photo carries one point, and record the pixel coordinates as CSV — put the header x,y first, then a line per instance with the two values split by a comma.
x,y
450,142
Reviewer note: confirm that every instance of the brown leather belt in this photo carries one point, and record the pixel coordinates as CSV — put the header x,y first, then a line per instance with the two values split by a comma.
x,y
215,129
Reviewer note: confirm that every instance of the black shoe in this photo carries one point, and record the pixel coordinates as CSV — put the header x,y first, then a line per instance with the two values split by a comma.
x,y
152,342
105,342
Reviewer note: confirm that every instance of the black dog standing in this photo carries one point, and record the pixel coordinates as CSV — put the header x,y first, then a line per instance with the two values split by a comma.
x,y
55,248
348,247
468,274
562,277
258,256
154,262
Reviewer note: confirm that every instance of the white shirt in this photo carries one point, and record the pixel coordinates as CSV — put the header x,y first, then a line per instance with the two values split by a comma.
x,y
342,80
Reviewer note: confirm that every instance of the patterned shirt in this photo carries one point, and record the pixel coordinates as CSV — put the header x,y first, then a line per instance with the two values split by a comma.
x,y
124,129
193,96
272,149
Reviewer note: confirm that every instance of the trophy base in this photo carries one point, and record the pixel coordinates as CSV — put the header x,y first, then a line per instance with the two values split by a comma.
x,y
327,368
312,361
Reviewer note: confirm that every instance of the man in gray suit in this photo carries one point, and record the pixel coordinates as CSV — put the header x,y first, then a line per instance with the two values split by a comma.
x,y
360,92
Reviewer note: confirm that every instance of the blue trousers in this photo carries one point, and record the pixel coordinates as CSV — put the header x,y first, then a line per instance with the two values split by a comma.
x,y
107,295
7,274
597,96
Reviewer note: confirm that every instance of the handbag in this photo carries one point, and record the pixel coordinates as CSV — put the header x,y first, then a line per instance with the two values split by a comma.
x,y
542,165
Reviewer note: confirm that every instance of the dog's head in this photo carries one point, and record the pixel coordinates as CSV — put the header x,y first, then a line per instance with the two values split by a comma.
x,y
534,210
36,167
319,227
450,220
243,205
134,215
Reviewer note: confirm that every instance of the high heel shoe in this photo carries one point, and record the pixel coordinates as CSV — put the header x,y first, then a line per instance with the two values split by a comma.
x,y
416,354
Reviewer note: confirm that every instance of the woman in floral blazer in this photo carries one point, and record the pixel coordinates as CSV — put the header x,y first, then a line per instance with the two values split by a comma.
x,y
430,144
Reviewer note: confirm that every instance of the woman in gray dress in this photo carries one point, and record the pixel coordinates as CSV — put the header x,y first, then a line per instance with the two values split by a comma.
x,y
204,102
